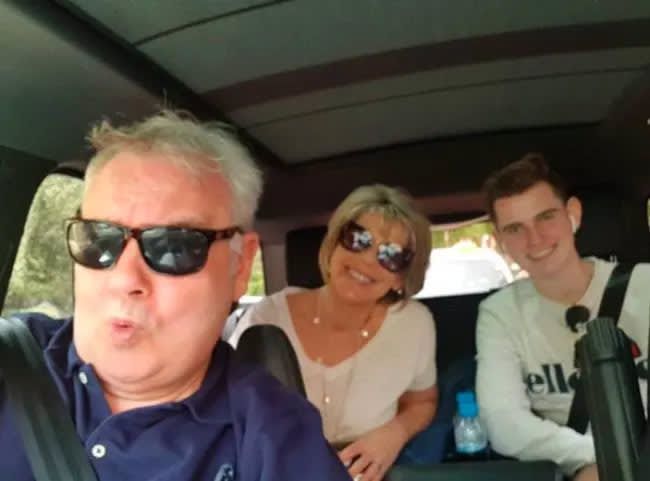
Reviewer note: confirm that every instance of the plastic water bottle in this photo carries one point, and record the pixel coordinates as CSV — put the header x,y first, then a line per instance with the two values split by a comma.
x,y
463,397
469,433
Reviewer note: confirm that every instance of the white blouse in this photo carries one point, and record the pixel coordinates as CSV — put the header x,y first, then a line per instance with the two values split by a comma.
x,y
361,392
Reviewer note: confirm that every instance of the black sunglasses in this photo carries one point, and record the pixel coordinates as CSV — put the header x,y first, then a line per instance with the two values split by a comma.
x,y
390,256
166,249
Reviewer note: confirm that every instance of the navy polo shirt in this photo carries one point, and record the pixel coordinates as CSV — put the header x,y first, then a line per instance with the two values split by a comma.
x,y
241,425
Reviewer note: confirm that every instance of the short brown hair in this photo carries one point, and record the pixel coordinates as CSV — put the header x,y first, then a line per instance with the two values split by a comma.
x,y
520,176
394,205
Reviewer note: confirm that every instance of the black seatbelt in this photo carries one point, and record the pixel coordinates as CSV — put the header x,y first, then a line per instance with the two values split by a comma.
x,y
644,455
610,306
614,295
53,448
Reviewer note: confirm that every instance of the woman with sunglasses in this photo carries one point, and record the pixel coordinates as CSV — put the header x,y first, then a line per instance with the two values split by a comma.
x,y
366,350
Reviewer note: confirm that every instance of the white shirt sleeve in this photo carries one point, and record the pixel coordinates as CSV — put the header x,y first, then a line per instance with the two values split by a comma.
x,y
425,375
513,429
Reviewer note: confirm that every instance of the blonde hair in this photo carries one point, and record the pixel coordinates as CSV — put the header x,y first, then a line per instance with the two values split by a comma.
x,y
193,146
394,205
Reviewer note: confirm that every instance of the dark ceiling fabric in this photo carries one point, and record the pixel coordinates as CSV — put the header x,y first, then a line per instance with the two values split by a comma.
x,y
302,248
436,167
510,45
613,225
226,12
625,129
97,40
455,318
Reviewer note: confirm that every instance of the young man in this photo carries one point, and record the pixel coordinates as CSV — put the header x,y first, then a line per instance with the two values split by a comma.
x,y
526,373
162,248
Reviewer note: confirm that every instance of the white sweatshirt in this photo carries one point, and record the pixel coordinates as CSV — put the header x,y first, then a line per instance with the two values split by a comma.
x,y
526,370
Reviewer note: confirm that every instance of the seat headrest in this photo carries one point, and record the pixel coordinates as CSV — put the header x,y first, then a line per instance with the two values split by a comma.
x,y
612,226
268,346
302,246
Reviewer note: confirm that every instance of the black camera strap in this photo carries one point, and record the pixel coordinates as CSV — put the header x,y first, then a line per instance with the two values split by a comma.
x,y
610,306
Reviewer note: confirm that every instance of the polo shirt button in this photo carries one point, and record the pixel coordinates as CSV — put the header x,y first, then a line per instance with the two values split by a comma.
x,y
83,378
98,451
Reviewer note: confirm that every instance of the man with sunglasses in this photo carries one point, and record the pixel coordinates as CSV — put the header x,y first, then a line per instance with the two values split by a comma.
x,y
526,373
162,248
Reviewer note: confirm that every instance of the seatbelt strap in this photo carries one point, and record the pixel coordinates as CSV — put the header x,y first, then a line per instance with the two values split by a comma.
x,y
614,295
610,306
51,442
644,455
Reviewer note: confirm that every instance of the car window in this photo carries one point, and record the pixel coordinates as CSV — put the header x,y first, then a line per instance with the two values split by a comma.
x,y
41,279
256,285
466,259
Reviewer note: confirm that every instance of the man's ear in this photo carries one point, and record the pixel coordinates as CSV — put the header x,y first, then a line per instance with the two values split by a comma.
x,y
574,210
248,248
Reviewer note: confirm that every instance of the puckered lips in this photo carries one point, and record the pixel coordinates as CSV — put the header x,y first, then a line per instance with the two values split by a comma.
x,y
123,331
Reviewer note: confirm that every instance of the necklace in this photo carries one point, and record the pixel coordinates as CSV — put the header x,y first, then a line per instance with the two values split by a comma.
x,y
331,413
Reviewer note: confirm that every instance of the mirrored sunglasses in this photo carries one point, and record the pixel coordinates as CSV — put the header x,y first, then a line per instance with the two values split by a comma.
x,y
390,256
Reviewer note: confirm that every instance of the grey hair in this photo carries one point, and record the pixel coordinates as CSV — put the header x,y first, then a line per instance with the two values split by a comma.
x,y
197,147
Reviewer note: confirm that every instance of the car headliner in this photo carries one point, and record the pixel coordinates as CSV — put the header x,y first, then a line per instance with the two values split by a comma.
x,y
427,95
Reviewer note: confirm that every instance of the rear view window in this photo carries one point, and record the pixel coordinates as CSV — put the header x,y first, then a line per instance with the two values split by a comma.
x,y
256,287
41,279
466,259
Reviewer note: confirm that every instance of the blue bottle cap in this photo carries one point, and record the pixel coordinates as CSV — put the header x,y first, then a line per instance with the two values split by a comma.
x,y
468,410
465,397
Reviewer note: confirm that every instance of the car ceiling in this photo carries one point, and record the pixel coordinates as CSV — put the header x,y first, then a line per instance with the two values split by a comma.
x,y
357,83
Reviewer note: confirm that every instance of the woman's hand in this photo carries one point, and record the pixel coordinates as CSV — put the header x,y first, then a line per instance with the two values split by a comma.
x,y
588,473
369,457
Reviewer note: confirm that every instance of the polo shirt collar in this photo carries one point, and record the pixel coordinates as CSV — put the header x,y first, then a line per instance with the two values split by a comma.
x,y
61,353
211,403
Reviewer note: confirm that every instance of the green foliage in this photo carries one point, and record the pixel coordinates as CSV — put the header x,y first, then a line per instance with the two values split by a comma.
x,y
473,232
256,284
42,274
